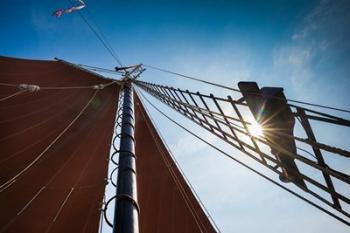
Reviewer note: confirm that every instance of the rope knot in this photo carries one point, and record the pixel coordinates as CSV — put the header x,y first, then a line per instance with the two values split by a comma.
x,y
29,87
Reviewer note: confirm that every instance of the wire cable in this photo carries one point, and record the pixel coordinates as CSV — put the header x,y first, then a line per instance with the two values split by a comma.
x,y
236,90
101,40
222,134
247,166
157,93
192,78
319,106
99,37
100,31
110,49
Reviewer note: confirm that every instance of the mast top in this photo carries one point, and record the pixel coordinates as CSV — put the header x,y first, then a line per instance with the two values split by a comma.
x,y
131,72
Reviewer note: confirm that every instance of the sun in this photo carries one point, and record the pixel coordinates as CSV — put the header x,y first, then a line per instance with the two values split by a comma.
x,y
255,129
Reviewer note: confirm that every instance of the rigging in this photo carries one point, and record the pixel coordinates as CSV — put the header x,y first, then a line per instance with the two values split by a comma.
x,y
237,90
220,125
96,68
245,165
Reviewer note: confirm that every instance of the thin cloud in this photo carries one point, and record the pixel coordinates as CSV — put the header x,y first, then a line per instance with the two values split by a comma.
x,y
294,62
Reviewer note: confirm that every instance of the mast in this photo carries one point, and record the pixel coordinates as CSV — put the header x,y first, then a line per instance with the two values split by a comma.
x,y
55,176
126,217
126,208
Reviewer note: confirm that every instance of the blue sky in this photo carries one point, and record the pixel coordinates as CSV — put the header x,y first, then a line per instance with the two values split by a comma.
x,y
302,46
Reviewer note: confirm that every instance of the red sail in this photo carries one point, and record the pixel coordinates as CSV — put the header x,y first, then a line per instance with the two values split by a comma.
x,y
166,201
54,146
59,188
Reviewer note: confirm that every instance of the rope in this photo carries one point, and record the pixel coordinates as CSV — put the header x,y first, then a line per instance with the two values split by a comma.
x,y
47,110
34,88
192,78
64,202
102,34
42,110
8,183
96,86
236,90
98,69
247,166
7,225
52,116
276,147
178,184
49,182
8,85
12,95
31,200
195,108
166,99
319,106
27,147
99,37
176,163
205,112
59,210
101,215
